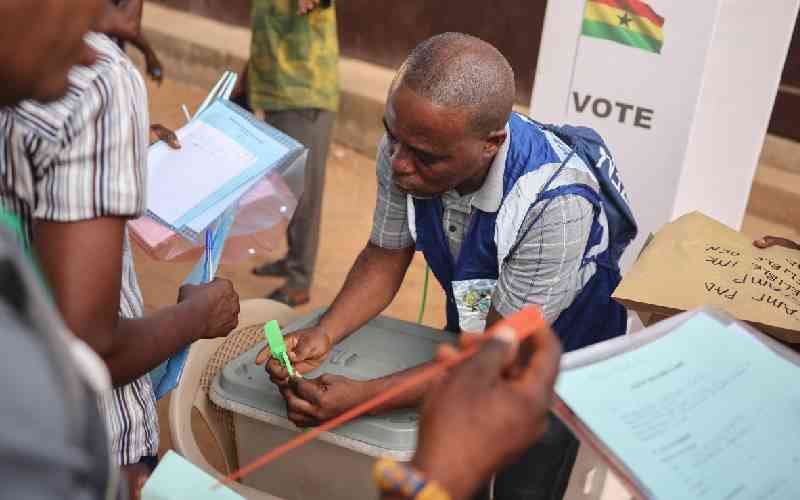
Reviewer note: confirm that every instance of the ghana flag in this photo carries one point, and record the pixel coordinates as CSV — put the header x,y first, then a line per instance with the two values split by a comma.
x,y
629,22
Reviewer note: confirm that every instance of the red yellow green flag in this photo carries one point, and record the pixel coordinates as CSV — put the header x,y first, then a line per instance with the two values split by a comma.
x,y
629,22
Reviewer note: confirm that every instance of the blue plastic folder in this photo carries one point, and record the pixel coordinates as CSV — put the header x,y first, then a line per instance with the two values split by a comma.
x,y
707,410
176,478
183,183
271,152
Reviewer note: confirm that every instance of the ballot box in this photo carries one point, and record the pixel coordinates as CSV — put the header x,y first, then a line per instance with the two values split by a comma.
x,y
338,464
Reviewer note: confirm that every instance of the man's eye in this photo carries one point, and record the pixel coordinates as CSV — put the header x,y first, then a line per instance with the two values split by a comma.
x,y
426,160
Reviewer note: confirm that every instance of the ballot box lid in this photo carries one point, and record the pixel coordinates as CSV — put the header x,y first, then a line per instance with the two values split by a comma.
x,y
381,347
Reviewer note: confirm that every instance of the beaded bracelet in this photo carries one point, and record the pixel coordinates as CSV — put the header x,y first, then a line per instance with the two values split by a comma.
x,y
401,479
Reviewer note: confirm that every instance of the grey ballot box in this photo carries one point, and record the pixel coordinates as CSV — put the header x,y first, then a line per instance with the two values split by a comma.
x,y
338,464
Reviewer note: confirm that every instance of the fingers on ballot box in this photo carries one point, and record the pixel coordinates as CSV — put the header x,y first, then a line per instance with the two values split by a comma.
x,y
338,465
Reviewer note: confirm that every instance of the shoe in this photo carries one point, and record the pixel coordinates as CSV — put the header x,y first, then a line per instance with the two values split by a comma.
x,y
277,268
292,298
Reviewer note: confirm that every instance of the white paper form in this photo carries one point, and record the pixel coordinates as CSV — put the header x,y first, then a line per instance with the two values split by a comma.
x,y
179,180
704,412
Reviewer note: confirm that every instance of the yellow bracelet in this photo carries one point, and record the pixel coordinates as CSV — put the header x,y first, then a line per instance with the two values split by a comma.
x,y
433,491
402,479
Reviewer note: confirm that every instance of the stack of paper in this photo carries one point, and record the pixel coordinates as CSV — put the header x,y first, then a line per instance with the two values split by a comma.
x,y
698,406
225,152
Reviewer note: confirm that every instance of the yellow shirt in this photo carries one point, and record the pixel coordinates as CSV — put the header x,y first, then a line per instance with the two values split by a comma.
x,y
293,58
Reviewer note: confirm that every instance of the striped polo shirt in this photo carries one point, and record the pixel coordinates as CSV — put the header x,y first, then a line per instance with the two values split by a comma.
x,y
80,158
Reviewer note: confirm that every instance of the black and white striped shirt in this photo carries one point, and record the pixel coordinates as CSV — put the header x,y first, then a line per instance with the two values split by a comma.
x,y
80,158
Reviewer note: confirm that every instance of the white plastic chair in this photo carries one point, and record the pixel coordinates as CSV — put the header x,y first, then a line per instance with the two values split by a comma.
x,y
189,395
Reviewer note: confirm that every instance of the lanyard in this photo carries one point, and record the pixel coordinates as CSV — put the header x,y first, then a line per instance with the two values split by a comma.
x,y
13,224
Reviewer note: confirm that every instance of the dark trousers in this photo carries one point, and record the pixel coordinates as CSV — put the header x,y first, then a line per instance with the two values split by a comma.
x,y
542,472
313,128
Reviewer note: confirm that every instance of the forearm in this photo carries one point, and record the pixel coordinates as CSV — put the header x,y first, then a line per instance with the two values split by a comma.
x,y
369,288
411,398
144,46
141,344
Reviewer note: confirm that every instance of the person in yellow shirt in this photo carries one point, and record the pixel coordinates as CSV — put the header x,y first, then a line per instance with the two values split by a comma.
x,y
292,77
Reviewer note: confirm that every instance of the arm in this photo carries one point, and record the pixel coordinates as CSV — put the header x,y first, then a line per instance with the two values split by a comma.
x,y
312,402
369,288
152,63
514,388
89,187
83,263
771,241
370,285
379,270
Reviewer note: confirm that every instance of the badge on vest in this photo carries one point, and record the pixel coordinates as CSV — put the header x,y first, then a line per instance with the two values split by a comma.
x,y
473,299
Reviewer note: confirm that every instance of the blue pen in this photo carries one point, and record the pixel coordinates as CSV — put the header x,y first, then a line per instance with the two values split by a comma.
x,y
208,276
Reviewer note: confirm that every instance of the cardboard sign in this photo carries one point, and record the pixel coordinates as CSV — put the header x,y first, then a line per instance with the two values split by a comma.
x,y
697,261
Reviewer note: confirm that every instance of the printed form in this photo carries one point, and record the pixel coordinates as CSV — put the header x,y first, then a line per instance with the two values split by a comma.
x,y
179,179
706,412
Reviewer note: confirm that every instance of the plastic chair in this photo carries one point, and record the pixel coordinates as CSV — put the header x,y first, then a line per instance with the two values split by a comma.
x,y
189,395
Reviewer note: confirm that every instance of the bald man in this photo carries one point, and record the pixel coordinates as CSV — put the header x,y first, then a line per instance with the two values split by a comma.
x,y
505,215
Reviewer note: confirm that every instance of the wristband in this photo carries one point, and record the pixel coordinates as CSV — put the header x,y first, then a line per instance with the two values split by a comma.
x,y
401,479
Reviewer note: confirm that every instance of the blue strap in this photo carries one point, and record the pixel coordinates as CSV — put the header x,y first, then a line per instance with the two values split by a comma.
x,y
539,198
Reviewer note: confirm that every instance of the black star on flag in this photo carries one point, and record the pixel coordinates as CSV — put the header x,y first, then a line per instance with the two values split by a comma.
x,y
625,20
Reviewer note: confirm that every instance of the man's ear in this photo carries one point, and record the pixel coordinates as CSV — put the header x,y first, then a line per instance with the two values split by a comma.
x,y
493,142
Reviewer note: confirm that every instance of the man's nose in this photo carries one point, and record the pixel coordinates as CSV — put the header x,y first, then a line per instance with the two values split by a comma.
x,y
401,161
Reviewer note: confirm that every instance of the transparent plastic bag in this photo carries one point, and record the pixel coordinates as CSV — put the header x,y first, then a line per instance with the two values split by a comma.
x,y
261,218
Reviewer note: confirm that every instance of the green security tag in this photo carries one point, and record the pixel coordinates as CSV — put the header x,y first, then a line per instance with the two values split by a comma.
x,y
277,346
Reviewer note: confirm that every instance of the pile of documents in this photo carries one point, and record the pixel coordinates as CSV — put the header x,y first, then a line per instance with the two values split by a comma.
x,y
696,406
225,153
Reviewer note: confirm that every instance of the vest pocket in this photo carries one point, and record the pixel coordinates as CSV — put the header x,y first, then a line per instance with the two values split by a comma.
x,y
473,300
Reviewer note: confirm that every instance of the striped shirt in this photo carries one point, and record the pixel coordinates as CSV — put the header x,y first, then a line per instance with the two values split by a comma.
x,y
545,268
80,158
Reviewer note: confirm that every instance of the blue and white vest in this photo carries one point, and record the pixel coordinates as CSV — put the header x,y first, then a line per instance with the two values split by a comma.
x,y
535,164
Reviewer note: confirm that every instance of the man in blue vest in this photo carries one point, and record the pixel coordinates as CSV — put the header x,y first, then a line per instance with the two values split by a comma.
x,y
506,213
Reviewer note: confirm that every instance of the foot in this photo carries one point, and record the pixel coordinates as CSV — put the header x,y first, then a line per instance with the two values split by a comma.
x,y
290,297
277,268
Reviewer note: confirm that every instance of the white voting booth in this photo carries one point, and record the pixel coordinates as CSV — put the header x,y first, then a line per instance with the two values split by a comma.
x,y
685,122
685,125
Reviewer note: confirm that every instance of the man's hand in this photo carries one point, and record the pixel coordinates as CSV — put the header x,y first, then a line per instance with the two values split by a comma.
x,y
467,418
306,6
136,475
307,350
771,241
218,301
312,402
166,135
